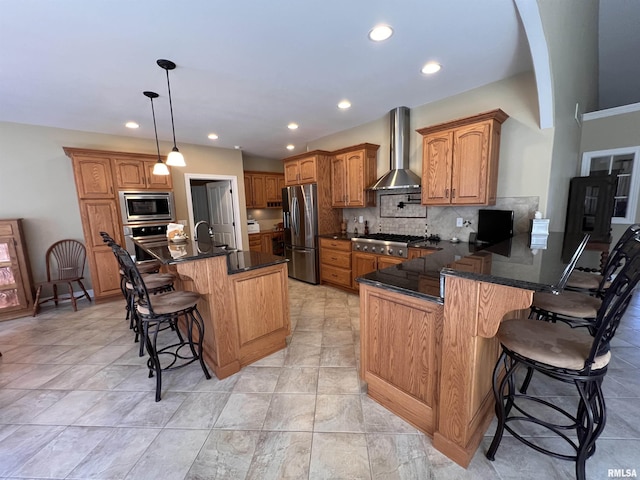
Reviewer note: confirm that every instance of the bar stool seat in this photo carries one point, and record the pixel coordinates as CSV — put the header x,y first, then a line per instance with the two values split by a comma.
x,y
568,304
170,302
583,281
155,281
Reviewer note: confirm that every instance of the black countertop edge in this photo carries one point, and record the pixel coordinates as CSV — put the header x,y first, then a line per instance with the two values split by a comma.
x,y
241,261
397,289
507,282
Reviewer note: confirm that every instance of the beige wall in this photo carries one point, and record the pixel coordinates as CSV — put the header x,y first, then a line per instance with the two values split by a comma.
x,y
525,150
261,164
36,180
571,32
606,133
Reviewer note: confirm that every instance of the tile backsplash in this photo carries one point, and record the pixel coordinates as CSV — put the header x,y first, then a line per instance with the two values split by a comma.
x,y
397,212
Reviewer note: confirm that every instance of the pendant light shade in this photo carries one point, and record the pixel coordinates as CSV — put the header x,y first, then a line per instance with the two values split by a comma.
x,y
175,158
159,168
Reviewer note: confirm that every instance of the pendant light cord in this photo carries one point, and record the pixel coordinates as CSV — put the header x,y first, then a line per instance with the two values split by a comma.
x,y
173,128
153,112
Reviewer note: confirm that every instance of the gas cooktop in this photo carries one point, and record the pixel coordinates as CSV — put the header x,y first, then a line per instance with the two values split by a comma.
x,y
391,244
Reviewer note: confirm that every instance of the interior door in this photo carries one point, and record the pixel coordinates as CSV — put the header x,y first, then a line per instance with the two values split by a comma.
x,y
221,212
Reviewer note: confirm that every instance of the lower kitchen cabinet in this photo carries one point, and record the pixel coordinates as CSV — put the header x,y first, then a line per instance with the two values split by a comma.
x,y
335,262
16,285
363,263
413,252
255,242
261,242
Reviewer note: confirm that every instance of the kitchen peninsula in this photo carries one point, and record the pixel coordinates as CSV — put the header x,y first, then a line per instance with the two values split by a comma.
x,y
245,300
428,326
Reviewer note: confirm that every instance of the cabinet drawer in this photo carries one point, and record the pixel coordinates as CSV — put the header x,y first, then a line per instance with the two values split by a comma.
x,y
335,275
336,258
344,245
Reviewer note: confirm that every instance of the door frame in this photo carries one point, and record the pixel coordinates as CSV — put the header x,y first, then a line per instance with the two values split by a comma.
x,y
234,195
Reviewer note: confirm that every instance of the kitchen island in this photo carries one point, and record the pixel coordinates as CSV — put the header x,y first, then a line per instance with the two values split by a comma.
x,y
244,303
428,326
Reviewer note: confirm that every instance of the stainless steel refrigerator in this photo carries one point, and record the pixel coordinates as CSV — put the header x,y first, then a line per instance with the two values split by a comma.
x,y
300,212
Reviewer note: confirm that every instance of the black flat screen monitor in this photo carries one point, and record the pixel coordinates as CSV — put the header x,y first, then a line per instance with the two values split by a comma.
x,y
494,226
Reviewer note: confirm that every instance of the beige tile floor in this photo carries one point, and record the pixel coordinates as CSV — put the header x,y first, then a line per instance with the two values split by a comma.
x,y
75,402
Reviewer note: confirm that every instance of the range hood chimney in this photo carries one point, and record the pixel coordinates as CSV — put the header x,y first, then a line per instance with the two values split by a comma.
x,y
399,175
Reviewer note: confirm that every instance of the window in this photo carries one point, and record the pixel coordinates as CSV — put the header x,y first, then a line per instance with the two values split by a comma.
x,y
623,163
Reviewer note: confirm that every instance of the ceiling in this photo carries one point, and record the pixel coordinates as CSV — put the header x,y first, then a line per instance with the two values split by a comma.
x,y
245,69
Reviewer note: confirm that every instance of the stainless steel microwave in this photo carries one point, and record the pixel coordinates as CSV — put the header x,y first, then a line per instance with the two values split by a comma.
x,y
146,207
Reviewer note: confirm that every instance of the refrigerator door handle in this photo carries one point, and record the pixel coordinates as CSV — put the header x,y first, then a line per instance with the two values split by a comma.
x,y
294,216
286,219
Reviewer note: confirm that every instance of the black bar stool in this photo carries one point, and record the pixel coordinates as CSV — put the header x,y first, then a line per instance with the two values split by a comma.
x,y
164,309
577,356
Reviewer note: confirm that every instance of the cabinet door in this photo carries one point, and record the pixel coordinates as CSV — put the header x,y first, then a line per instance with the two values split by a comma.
x,y
97,216
355,179
339,181
258,192
291,172
157,182
130,174
13,296
308,170
266,245
271,189
281,185
248,190
361,264
384,262
93,177
255,242
437,157
470,165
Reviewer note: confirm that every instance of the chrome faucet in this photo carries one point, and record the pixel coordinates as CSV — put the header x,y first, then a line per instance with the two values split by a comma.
x,y
209,229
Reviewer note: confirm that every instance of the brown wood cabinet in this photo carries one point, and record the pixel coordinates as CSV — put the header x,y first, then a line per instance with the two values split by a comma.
x,y
16,283
413,252
255,242
363,263
261,242
335,262
460,160
302,168
254,190
137,174
353,169
94,172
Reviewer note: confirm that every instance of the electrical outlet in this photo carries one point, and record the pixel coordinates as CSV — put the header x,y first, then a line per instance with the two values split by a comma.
x,y
459,221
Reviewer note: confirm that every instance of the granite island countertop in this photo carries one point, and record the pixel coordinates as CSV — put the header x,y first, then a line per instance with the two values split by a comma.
x,y
511,263
237,260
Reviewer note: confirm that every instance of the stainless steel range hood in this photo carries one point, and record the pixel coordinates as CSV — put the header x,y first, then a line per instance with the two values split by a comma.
x,y
399,176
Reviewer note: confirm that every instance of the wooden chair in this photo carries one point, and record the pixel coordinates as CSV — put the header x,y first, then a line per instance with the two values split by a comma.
x,y
65,265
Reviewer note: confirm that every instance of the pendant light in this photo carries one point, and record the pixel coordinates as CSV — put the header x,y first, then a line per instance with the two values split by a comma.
x,y
175,158
159,168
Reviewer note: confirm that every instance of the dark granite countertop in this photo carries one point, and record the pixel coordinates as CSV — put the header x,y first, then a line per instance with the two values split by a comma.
x,y
237,261
512,263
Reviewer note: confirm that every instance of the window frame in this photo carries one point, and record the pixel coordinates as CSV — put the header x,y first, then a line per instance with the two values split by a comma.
x,y
634,185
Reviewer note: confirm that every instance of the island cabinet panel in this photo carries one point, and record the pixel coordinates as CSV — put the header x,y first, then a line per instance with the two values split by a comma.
x,y
400,353
262,322
245,315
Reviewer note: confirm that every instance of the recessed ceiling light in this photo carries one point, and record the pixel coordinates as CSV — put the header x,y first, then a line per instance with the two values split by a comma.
x,y
131,125
290,147
380,33
212,136
292,126
237,147
344,104
431,67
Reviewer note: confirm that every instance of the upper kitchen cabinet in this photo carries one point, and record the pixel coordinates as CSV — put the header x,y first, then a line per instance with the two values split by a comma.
x,y
254,190
303,168
273,185
460,160
93,177
353,169
137,174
